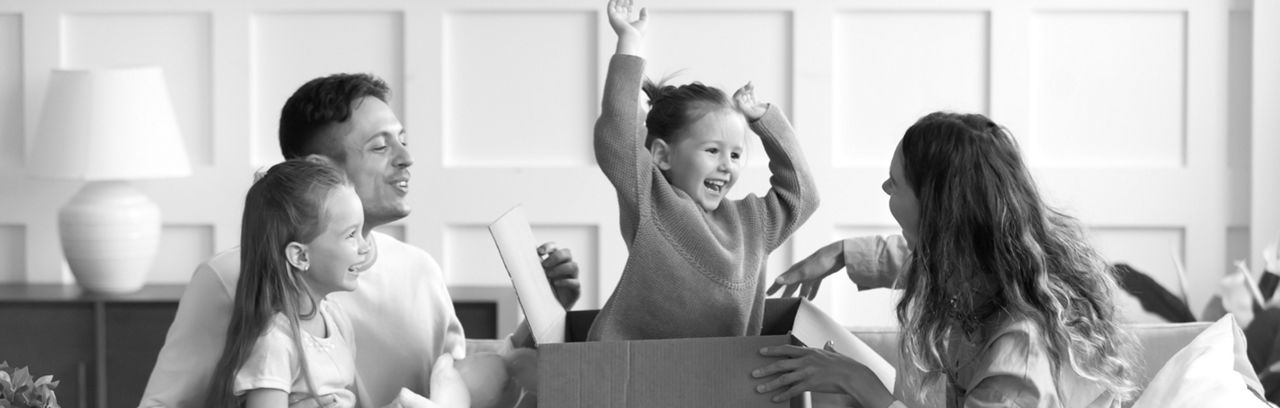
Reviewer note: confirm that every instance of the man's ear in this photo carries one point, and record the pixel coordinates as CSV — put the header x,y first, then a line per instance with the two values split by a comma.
x,y
661,152
296,254
320,158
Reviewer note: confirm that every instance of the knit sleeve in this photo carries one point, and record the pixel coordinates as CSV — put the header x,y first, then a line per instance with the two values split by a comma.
x,y
619,140
793,194
875,261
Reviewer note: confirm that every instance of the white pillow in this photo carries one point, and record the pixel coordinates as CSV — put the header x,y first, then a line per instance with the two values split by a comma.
x,y
1212,371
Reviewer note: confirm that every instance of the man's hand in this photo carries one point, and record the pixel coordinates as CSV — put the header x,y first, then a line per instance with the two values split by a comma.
x,y
807,274
562,273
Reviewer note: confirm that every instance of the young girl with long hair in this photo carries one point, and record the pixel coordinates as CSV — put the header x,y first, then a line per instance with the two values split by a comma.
x,y
1004,302
300,241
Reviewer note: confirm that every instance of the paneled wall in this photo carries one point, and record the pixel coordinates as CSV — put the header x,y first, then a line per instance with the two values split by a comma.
x,y
1137,116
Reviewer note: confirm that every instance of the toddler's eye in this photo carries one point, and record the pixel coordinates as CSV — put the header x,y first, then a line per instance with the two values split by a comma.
x,y
735,156
713,150
380,148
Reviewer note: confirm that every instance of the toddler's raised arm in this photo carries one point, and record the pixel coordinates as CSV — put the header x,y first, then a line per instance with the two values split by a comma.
x,y
619,141
793,194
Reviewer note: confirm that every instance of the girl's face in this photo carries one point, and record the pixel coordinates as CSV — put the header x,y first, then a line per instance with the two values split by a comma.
x,y
706,157
902,199
334,256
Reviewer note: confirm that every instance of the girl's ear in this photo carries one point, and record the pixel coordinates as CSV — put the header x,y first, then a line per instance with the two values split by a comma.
x,y
296,253
661,152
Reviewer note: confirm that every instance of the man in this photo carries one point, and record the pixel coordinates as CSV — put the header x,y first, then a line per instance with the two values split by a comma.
x,y
402,315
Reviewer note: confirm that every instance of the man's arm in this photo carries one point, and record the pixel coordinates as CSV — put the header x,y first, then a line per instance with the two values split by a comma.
x,y
184,367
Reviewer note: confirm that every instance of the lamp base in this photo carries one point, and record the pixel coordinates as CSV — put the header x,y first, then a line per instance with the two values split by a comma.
x,y
109,232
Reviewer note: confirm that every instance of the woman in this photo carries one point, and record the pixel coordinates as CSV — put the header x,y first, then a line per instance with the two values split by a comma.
x,y
1004,302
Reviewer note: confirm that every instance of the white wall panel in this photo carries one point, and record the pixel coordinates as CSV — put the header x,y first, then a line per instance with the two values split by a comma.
x,y
1099,98
180,43
1239,91
290,48
1147,249
13,254
1238,249
11,111
182,248
891,68
725,49
514,98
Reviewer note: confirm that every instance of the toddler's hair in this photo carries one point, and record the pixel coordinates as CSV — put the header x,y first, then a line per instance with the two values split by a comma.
x,y
672,108
319,104
988,243
283,206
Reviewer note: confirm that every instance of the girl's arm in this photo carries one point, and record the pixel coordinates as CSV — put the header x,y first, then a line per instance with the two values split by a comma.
x,y
793,195
619,140
266,398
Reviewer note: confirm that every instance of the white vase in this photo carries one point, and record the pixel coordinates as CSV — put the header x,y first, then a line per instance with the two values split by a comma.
x,y
109,232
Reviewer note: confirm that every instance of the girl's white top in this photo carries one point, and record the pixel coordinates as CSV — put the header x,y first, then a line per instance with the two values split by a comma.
x,y
275,362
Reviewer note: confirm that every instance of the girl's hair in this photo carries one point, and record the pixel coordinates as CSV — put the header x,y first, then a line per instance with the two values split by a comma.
x,y
987,243
672,108
284,206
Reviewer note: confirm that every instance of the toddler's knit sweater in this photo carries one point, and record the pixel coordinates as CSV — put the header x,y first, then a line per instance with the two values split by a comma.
x,y
690,272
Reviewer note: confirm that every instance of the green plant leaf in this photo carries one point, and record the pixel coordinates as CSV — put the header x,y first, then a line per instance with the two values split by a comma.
x,y
21,379
43,381
6,382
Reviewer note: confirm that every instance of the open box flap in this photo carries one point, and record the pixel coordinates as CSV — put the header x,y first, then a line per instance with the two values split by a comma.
x,y
814,328
518,248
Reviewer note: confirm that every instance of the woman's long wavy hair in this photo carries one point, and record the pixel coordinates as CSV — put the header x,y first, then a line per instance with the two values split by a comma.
x,y
284,206
987,243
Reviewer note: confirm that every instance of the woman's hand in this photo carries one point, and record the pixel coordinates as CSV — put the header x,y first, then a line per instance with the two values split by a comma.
x,y
807,274
745,98
810,369
630,33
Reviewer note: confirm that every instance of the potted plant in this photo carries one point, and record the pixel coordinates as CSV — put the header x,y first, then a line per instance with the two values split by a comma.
x,y
17,390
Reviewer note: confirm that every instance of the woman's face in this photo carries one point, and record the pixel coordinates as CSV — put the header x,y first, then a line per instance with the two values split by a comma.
x,y
902,199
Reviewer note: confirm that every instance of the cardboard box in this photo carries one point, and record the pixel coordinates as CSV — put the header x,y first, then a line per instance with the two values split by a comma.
x,y
696,372
692,372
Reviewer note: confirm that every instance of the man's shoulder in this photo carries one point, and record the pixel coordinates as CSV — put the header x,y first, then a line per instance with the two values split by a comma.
x,y
224,268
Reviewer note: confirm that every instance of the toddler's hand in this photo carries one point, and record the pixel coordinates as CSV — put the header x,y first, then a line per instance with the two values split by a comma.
x,y
745,98
447,387
629,32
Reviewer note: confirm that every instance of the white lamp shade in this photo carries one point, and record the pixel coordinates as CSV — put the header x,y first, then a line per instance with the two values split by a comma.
x,y
108,124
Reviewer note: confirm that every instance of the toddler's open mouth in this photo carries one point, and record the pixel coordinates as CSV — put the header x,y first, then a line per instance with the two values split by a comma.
x,y
715,184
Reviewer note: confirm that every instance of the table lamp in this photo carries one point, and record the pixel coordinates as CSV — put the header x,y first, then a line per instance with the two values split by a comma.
x,y
106,127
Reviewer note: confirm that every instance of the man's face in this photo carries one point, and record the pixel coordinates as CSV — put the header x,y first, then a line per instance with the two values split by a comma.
x,y
377,161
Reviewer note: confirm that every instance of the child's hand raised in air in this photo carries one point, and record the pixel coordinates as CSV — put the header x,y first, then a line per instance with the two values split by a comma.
x,y
630,33
745,98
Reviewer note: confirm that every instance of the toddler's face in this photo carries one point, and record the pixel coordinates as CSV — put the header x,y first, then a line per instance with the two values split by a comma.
x,y
705,160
